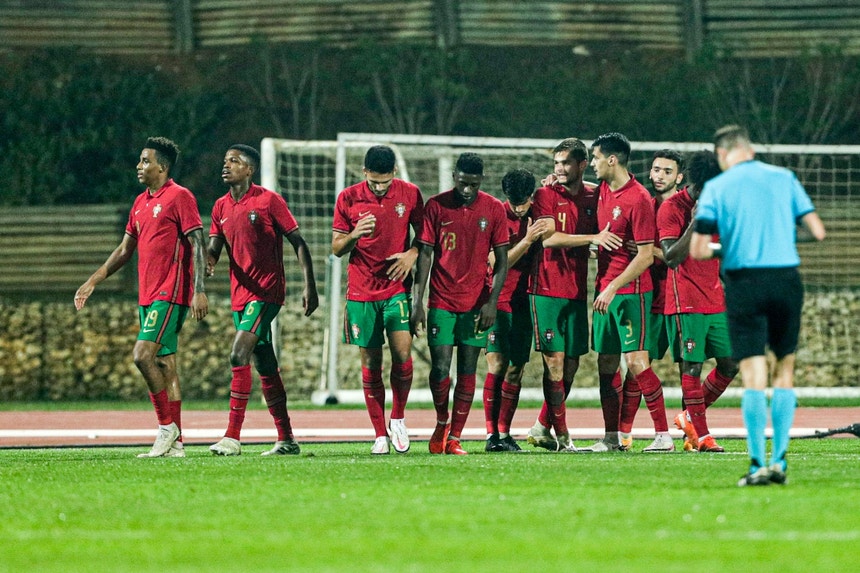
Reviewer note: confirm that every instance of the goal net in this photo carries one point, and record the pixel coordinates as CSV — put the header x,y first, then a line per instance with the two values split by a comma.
x,y
310,174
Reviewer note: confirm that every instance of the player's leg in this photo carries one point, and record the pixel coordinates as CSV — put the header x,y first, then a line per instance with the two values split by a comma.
x,y
167,363
469,346
719,346
396,313
606,341
364,325
548,315
694,345
440,341
498,348
275,395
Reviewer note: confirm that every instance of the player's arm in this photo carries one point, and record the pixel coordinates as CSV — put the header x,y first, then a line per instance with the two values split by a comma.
x,y
342,243
605,238
310,297
199,302
536,231
675,251
643,259
487,314
115,261
418,319
213,253
701,246
811,228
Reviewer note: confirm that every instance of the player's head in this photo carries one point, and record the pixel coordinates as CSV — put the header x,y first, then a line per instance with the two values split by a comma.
x,y
609,153
380,159
701,167
249,155
379,167
166,152
240,163
518,185
667,171
468,175
732,145
569,159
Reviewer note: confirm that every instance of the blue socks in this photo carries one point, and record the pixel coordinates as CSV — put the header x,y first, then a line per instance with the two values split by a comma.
x,y
782,406
754,410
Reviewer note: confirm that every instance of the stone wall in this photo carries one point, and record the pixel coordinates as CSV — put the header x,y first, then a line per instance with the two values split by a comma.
x,y
50,352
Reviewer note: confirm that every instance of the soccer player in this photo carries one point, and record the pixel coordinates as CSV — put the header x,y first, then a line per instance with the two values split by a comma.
x,y
164,227
372,220
461,227
558,288
624,292
666,175
695,304
252,221
509,340
755,208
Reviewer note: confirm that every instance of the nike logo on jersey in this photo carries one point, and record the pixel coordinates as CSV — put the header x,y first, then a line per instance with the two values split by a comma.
x,y
446,223
560,203
148,330
365,214
221,221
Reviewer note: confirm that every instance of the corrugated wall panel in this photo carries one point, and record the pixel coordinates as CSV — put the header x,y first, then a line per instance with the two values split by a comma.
x,y
220,22
114,26
653,24
765,28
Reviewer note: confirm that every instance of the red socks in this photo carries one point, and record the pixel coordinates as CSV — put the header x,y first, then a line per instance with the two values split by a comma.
x,y
652,390
694,401
610,400
510,400
401,383
176,414
554,401
162,407
276,400
464,392
631,398
714,386
440,391
240,391
374,398
492,399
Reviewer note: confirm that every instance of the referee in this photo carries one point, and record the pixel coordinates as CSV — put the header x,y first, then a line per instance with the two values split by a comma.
x,y
755,208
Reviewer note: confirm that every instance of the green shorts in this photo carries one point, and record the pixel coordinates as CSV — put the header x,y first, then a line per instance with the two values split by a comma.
x,y
702,336
256,318
624,327
511,336
161,322
365,323
560,325
445,328
662,335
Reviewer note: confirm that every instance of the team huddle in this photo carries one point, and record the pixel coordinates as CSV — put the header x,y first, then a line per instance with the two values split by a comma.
x,y
503,277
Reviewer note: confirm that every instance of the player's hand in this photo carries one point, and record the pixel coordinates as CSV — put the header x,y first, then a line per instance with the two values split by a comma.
x,y
540,230
550,179
199,305
365,226
82,294
210,265
607,239
402,266
603,300
418,320
310,301
486,318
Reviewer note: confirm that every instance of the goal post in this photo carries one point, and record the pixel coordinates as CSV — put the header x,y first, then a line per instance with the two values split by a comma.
x,y
310,174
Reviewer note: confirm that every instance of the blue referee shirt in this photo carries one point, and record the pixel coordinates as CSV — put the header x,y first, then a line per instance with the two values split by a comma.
x,y
755,208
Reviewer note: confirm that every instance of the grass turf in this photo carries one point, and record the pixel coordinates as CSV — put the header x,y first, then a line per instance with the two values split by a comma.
x,y
336,508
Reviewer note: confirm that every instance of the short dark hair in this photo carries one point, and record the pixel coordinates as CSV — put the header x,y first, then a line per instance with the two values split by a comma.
x,y
166,152
380,159
702,166
518,185
613,143
248,152
470,163
671,155
575,148
731,136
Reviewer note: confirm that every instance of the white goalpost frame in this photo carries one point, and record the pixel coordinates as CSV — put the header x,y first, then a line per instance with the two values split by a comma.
x,y
443,150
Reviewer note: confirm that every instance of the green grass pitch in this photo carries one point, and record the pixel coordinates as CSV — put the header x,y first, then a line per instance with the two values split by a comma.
x,y
336,508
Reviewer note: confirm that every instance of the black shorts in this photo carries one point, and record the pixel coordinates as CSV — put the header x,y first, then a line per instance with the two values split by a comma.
x,y
764,308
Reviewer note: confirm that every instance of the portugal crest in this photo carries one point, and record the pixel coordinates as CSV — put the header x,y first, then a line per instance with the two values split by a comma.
x,y
689,345
252,216
483,224
400,209
616,212
156,210
549,334
434,330
356,330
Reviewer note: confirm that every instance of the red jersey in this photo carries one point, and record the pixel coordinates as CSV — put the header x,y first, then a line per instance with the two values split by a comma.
x,y
160,222
399,209
462,238
253,229
630,214
694,286
659,271
516,283
563,273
